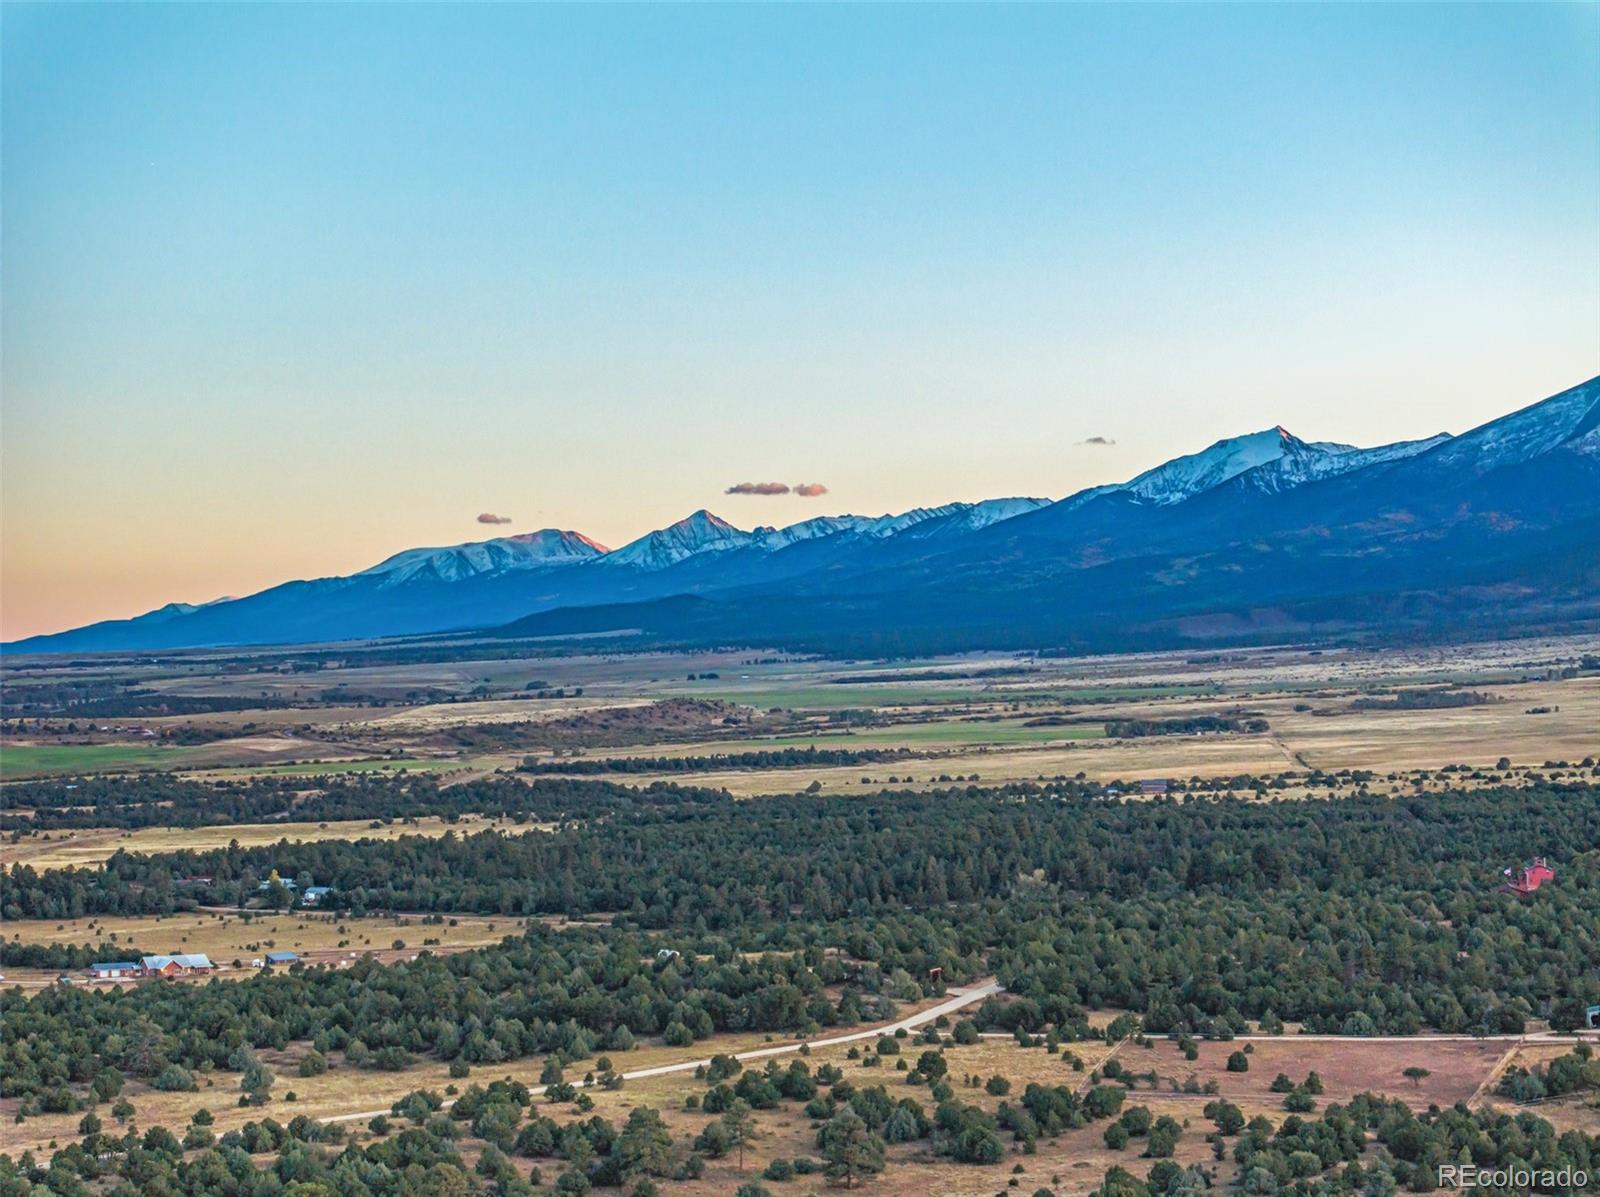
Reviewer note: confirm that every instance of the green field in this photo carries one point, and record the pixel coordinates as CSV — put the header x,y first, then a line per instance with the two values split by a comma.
x,y
41,760
834,698
954,732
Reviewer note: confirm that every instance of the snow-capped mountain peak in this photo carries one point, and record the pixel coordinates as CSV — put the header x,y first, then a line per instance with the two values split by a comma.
x,y
1271,460
701,532
1302,462
453,563
1184,477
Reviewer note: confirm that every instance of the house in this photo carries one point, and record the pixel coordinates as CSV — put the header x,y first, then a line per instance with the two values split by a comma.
x,y
1529,878
282,958
1153,785
183,964
271,881
111,971
314,894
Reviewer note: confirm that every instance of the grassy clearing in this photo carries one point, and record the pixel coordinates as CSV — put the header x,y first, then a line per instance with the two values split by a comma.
x,y
18,761
224,936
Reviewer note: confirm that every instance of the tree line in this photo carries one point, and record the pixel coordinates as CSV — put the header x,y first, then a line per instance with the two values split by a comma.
x,y
769,758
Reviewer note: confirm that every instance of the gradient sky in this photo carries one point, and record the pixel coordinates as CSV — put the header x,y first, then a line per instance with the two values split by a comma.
x,y
289,288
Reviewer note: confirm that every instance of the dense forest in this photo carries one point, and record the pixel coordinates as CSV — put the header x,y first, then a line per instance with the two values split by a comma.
x,y
1357,914
164,800
571,992
1202,913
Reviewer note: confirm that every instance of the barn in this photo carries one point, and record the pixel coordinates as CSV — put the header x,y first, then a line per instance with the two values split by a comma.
x,y
1529,878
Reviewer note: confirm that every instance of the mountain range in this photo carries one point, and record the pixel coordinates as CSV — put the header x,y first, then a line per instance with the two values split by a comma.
x,y
1261,536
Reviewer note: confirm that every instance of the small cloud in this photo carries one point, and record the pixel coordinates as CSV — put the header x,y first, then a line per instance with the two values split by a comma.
x,y
1097,440
810,490
757,488
489,517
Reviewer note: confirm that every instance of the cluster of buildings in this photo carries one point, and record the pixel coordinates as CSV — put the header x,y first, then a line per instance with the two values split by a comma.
x,y
177,964
312,895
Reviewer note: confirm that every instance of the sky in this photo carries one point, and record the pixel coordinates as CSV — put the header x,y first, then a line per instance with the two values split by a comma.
x,y
289,288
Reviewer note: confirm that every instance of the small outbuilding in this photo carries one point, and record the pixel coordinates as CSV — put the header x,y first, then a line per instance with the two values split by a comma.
x,y
284,958
112,970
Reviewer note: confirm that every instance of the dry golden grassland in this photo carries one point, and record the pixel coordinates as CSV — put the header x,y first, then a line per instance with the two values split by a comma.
x,y
222,935
1073,1163
1376,740
1154,685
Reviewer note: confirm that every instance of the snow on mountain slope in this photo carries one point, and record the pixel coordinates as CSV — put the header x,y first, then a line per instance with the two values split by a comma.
x,y
701,532
949,517
891,525
704,532
1193,473
772,539
1272,460
528,550
1567,419
955,518
1302,462
1184,477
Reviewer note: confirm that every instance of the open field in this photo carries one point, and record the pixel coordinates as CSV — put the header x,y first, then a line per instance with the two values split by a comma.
x,y
21,759
1381,741
970,706
1347,1067
42,760
1074,1162
76,849
223,935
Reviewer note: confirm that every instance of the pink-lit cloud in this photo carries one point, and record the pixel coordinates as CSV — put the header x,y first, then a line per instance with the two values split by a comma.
x,y
810,490
489,517
757,488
